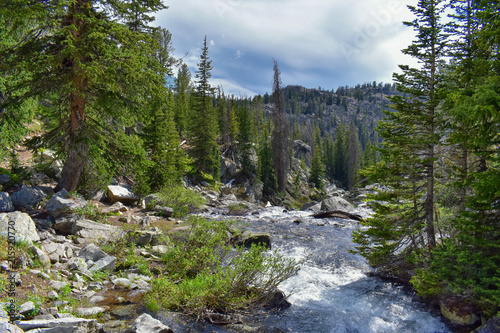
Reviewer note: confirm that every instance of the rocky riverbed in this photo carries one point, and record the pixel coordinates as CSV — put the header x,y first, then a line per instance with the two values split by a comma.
x,y
69,271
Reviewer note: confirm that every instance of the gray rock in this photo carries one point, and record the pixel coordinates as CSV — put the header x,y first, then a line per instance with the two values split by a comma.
x,y
301,150
86,229
144,237
147,324
62,203
337,203
92,252
491,326
90,311
117,207
105,264
57,251
122,194
62,325
27,197
41,255
10,328
164,211
5,202
159,249
26,308
25,229
79,265
309,205
52,295
4,179
58,285
152,200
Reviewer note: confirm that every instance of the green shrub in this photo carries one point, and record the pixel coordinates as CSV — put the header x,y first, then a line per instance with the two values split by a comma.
x,y
182,200
205,274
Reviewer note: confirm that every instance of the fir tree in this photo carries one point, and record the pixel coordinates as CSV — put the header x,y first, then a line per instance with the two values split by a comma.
x,y
280,139
182,88
405,225
96,66
204,131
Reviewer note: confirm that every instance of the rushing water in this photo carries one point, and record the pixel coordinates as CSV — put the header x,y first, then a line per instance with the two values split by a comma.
x,y
333,292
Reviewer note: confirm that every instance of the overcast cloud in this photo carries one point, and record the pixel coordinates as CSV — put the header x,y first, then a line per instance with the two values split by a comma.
x,y
316,43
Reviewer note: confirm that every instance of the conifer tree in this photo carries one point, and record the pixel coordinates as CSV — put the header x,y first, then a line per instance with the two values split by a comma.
x,y
280,138
182,88
353,156
97,68
317,171
203,129
404,226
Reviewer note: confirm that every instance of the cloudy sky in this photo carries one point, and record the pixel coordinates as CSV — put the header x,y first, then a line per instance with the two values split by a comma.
x,y
317,43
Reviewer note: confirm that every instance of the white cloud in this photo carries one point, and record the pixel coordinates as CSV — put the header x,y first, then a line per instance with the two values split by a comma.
x,y
323,43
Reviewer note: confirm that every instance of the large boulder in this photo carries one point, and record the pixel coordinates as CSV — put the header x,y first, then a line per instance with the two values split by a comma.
x,y
247,239
457,314
87,230
62,203
147,324
119,193
20,225
337,203
5,202
27,197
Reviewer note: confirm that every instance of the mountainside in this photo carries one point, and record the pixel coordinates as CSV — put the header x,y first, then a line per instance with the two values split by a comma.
x,y
363,104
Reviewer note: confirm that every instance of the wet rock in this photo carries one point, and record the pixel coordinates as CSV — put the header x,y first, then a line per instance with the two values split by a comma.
x,y
147,324
62,203
5,202
25,229
458,316
337,203
27,197
278,301
248,238
491,326
122,194
64,325
310,206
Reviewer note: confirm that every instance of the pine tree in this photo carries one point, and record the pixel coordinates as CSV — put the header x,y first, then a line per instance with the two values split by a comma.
x,y
353,156
204,131
404,226
183,89
317,171
96,66
280,138
245,137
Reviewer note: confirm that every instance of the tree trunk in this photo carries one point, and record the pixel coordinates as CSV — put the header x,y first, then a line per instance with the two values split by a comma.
x,y
73,168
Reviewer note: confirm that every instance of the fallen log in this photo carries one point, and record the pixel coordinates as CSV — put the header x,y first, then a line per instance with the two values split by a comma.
x,y
337,213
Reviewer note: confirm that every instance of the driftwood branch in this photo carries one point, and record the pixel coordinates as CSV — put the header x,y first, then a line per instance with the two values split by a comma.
x,y
337,213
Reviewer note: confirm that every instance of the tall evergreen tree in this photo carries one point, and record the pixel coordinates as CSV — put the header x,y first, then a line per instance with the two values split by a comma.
x,y
353,156
404,226
182,88
280,137
204,131
96,66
